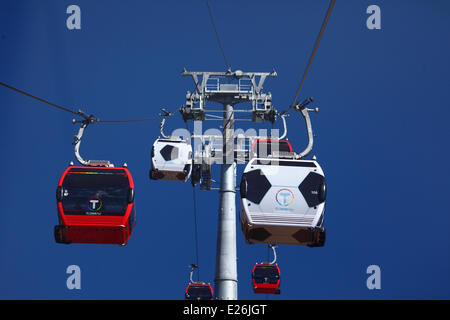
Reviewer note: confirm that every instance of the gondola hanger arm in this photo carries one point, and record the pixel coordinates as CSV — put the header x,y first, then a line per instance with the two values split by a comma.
x,y
283,116
77,141
273,247
305,113
193,267
164,115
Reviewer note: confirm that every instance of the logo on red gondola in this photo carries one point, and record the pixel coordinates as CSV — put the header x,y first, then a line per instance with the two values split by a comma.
x,y
95,204
284,197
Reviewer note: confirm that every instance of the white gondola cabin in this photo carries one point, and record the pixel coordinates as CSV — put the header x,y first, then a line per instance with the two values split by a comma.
x,y
283,202
171,160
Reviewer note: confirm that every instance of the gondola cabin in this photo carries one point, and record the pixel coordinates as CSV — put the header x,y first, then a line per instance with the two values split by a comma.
x,y
283,202
198,291
95,205
266,278
171,160
262,148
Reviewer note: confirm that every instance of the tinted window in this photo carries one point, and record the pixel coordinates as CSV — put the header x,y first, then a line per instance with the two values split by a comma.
x,y
199,293
169,152
266,274
95,192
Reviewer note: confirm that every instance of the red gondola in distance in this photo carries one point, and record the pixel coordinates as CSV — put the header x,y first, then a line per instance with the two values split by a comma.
x,y
95,205
199,291
264,147
266,278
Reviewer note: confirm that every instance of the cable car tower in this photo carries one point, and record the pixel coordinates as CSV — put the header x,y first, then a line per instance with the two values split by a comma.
x,y
229,89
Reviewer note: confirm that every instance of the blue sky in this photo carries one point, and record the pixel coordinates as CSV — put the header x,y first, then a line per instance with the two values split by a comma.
x,y
382,140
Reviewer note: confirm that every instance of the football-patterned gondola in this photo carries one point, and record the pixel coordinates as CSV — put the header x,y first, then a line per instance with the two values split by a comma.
x,y
283,196
171,159
283,202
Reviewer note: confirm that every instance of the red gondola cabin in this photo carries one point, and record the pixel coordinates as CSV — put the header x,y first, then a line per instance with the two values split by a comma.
x,y
95,205
199,291
266,278
262,148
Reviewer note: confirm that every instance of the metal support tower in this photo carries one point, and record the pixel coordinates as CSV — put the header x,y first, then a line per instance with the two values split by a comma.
x,y
239,87
226,265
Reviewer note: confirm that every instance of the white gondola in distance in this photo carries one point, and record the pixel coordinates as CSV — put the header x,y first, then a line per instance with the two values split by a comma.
x,y
171,160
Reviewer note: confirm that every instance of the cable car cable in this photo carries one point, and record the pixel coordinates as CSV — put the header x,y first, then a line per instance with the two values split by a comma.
x,y
79,113
217,35
196,232
319,37
124,121
39,99
195,216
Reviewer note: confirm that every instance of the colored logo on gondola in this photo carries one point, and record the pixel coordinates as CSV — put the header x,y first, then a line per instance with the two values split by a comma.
x,y
95,204
284,197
